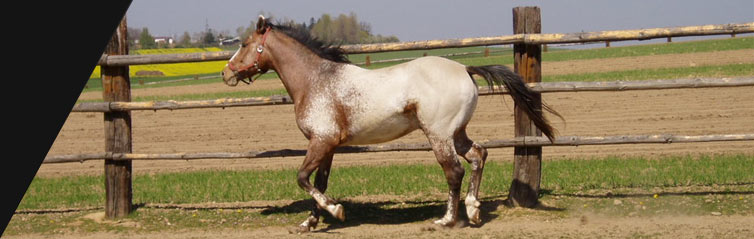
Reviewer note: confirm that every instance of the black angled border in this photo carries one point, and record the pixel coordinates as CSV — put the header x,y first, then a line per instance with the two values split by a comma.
x,y
57,45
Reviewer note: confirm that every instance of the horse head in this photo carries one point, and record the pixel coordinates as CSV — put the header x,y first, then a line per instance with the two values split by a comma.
x,y
250,59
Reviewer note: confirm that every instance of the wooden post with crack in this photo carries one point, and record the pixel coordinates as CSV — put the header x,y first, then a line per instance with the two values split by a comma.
x,y
524,190
116,86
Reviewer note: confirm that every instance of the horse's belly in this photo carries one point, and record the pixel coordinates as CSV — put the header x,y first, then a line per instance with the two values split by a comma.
x,y
382,131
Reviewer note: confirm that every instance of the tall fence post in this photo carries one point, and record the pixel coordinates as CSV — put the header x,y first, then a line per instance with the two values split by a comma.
x,y
524,190
116,86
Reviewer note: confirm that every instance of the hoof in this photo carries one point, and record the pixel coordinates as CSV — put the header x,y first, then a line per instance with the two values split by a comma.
x,y
474,216
337,211
472,210
444,222
301,229
305,226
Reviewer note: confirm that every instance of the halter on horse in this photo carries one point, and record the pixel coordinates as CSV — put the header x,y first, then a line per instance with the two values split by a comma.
x,y
337,103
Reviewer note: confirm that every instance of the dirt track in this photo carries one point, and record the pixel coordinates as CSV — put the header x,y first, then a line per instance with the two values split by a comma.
x,y
592,226
683,112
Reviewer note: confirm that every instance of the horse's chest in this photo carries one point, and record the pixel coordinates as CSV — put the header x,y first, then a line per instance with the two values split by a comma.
x,y
317,117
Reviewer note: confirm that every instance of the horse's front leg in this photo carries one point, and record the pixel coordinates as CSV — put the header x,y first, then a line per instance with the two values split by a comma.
x,y
320,183
318,156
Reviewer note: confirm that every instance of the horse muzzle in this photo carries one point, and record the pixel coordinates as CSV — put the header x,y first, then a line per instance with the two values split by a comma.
x,y
230,77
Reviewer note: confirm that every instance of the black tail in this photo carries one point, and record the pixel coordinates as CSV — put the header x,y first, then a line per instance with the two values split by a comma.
x,y
522,96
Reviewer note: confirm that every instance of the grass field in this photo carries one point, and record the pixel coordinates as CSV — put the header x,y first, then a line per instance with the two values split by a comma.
x,y
633,187
560,176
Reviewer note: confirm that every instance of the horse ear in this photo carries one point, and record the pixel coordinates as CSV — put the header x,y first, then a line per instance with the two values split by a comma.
x,y
261,23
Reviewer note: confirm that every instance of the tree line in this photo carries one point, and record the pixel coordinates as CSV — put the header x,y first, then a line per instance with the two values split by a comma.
x,y
343,29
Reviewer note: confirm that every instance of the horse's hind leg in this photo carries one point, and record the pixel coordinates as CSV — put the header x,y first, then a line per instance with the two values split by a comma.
x,y
320,183
318,156
475,154
446,156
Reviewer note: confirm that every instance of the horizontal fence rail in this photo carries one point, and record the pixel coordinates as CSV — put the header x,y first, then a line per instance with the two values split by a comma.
x,y
623,35
521,141
641,34
546,87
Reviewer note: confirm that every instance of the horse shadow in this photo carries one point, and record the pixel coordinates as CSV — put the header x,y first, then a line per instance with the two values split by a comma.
x,y
390,212
401,212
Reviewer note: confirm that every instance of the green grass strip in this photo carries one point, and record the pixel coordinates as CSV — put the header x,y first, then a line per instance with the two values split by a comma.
x,y
733,70
626,51
726,44
559,176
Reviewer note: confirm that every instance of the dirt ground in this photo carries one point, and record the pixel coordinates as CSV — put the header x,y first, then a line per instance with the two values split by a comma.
x,y
682,112
585,226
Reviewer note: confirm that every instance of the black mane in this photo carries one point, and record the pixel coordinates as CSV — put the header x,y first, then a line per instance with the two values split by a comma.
x,y
327,51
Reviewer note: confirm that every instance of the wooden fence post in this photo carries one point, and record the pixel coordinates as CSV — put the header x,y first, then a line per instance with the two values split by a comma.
x,y
368,61
524,190
116,86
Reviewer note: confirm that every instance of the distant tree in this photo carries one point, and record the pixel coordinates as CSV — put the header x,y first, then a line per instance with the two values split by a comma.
x,y
185,40
350,28
209,38
323,28
133,35
245,32
240,31
365,32
311,23
146,41
345,29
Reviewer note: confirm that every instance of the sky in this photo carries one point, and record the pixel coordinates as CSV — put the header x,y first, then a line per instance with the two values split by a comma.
x,y
414,20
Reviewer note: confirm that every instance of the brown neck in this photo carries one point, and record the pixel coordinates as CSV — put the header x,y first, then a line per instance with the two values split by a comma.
x,y
294,64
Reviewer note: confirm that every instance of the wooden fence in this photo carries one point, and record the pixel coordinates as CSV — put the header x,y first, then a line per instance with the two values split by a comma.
x,y
527,143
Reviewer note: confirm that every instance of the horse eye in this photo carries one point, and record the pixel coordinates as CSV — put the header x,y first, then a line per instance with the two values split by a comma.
x,y
244,45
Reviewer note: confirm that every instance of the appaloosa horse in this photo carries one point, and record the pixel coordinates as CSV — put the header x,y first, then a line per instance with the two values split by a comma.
x,y
337,103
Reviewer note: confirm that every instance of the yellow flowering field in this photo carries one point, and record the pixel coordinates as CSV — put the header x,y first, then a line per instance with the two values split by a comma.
x,y
177,69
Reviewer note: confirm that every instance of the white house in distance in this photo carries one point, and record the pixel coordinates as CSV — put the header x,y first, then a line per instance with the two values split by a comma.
x,y
164,40
160,40
230,41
